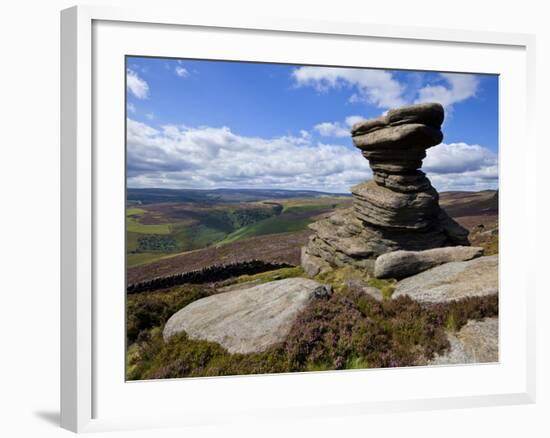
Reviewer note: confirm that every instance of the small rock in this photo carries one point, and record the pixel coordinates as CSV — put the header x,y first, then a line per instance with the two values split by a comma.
x,y
323,291
452,281
476,342
247,320
400,264
373,292
361,285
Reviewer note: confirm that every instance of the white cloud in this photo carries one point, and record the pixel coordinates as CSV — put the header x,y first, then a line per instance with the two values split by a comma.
x,y
137,86
150,116
130,107
482,179
181,71
207,157
461,166
381,89
459,87
352,120
337,129
329,129
376,87
458,157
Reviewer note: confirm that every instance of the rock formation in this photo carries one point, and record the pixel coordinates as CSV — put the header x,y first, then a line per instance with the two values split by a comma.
x,y
398,209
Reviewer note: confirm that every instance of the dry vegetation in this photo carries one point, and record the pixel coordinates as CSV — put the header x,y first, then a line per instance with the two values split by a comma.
x,y
277,248
347,330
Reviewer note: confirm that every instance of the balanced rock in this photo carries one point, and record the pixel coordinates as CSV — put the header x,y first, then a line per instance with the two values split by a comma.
x,y
246,320
452,281
476,342
400,264
398,209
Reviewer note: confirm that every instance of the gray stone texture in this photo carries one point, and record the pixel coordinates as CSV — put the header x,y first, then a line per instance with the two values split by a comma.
x,y
476,342
452,281
400,264
246,320
398,209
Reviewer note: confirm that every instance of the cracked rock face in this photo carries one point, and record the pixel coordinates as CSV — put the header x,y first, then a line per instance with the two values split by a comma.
x,y
398,209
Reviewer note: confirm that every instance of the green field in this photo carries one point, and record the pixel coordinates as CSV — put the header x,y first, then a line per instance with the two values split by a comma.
x,y
155,231
133,224
285,223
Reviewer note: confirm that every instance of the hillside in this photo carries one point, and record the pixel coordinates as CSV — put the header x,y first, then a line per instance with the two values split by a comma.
x,y
158,230
171,238
136,196
471,208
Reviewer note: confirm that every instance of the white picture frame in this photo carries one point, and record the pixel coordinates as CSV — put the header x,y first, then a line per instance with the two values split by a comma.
x,y
91,387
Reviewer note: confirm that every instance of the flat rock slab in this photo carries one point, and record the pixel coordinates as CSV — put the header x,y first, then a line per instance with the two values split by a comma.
x,y
400,264
246,320
476,342
452,281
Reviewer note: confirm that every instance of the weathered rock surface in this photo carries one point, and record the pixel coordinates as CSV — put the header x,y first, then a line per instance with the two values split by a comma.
x,y
400,264
379,206
246,320
476,342
399,208
452,281
373,292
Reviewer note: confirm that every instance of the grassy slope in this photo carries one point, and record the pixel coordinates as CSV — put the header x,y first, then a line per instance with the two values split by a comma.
x,y
275,248
134,226
285,223
200,227
297,214
207,227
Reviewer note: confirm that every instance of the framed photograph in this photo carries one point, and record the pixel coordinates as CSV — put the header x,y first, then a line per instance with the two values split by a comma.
x,y
284,218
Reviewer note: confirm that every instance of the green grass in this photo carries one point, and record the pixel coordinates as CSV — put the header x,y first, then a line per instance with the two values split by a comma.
x,y
148,310
339,278
315,203
490,246
285,223
141,258
386,286
197,236
219,225
264,277
132,241
357,363
134,226
134,211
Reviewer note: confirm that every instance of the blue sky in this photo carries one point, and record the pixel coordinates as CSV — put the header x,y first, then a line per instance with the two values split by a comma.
x,y
212,124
